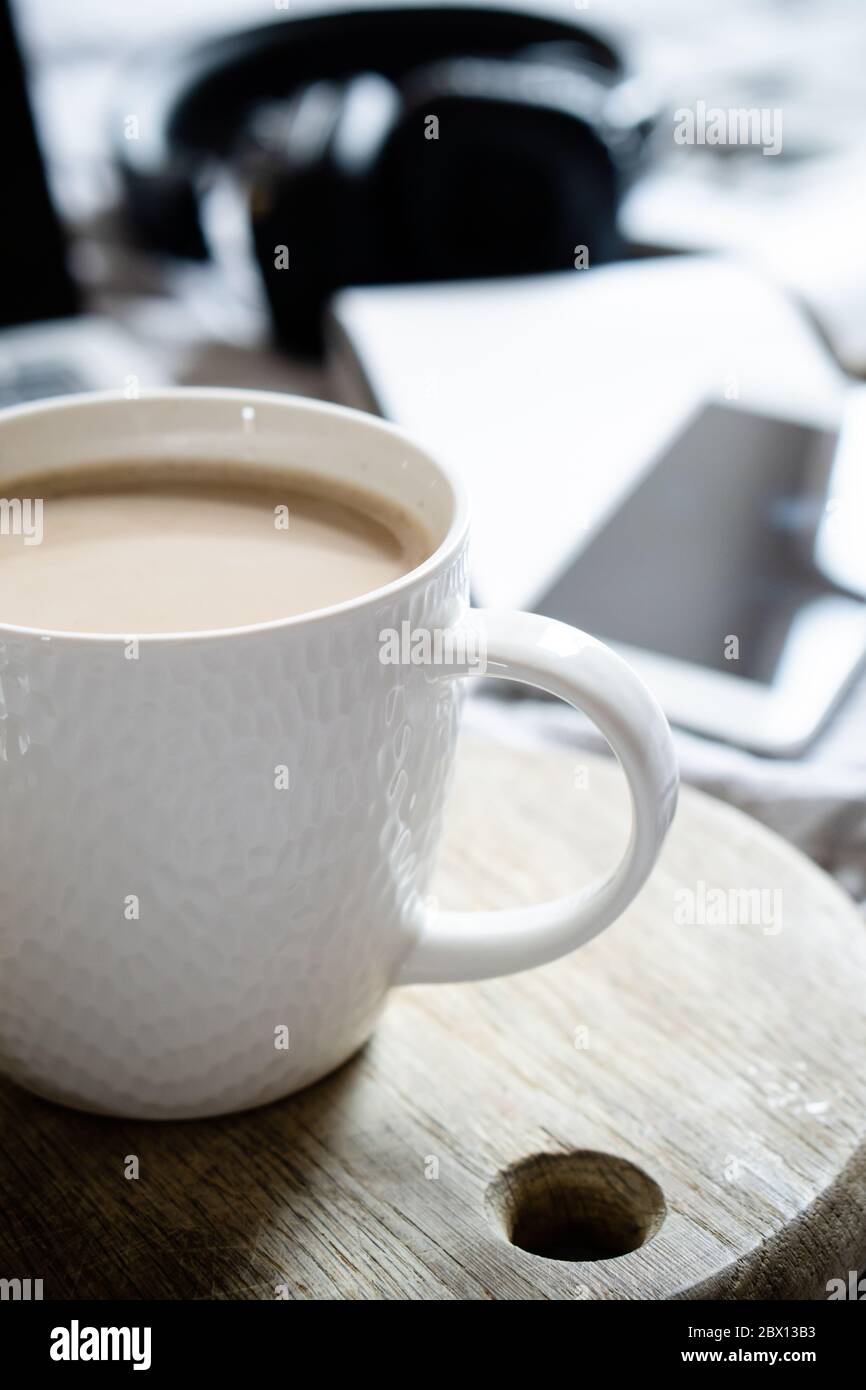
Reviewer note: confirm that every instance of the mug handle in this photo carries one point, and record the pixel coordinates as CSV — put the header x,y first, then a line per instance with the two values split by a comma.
x,y
576,667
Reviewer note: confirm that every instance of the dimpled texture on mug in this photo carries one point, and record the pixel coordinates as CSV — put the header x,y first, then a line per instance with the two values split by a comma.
x,y
167,906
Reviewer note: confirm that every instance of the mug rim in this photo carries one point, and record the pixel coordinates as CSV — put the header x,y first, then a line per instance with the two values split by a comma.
x,y
447,547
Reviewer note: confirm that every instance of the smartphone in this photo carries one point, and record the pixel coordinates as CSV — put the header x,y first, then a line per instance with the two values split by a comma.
x,y
733,577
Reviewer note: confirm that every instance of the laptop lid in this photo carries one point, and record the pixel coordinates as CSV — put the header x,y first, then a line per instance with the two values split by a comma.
x,y
34,280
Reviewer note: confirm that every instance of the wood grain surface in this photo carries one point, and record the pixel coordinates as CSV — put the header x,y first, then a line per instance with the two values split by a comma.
x,y
678,1110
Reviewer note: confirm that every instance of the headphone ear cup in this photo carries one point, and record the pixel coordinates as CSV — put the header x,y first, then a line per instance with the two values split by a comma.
x,y
484,184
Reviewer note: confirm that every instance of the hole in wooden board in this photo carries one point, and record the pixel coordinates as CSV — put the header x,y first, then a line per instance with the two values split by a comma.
x,y
576,1206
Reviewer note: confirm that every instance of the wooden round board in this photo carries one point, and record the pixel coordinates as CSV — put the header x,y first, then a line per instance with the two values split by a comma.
x,y
677,1110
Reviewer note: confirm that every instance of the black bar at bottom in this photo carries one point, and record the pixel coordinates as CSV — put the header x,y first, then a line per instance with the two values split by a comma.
x,y
259,1338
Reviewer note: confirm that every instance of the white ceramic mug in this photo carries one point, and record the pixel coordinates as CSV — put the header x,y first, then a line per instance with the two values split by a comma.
x,y
216,847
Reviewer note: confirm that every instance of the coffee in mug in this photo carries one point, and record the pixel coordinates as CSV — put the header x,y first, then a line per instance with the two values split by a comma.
x,y
194,546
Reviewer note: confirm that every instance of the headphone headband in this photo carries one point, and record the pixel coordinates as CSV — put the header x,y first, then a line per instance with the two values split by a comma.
x,y
191,103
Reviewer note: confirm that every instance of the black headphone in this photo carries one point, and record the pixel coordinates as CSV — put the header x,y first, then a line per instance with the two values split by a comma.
x,y
387,146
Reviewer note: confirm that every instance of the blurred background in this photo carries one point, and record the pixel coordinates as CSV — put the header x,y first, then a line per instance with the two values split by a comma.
x,y
607,258
801,214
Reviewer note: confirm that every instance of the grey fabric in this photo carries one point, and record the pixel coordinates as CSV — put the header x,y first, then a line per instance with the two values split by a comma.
x,y
817,802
